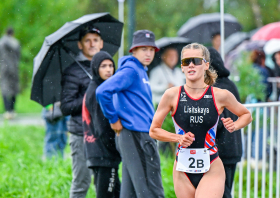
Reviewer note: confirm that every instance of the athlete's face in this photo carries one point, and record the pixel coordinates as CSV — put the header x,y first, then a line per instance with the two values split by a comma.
x,y
194,72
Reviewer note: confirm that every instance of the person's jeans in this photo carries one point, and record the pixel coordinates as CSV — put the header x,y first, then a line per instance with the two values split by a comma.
x,y
55,138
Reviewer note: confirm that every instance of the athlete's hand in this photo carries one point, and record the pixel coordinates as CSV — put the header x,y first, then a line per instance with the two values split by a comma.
x,y
117,127
229,124
187,139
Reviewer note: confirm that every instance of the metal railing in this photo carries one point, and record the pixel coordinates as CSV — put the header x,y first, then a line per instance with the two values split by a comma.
x,y
266,129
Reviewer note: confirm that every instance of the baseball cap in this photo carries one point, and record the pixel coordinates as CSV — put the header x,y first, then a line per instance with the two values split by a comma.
x,y
88,29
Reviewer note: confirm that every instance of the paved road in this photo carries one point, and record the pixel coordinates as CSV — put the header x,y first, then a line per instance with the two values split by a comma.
x,y
24,119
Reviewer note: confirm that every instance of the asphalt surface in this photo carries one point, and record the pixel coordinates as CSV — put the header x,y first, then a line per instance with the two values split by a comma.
x,y
24,119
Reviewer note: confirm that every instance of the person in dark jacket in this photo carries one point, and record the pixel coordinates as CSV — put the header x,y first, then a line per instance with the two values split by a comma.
x,y
75,81
126,101
229,144
100,148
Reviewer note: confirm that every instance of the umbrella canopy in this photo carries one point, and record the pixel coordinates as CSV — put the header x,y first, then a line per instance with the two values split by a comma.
x,y
234,40
201,28
267,32
272,46
60,48
168,42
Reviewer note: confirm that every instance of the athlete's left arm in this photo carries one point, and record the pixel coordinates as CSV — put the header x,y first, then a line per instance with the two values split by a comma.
x,y
225,99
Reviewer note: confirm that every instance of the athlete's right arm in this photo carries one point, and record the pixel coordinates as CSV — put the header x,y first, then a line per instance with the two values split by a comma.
x,y
168,103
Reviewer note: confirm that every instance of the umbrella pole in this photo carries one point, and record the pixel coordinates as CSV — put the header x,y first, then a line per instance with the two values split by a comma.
x,y
222,29
121,18
68,51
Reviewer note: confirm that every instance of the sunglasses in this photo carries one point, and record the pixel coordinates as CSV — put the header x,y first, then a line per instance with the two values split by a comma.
x,y
195,61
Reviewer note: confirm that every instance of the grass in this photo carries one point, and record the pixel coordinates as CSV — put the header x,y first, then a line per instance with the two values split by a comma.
x,y
23,103
23,174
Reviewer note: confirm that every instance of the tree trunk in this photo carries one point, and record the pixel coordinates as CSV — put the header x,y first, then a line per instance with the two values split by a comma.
x,y
257,13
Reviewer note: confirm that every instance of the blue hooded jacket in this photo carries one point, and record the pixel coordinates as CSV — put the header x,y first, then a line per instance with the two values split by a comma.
x,y
132,96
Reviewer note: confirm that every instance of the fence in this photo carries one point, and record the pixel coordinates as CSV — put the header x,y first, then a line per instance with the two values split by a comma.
x,y
266,130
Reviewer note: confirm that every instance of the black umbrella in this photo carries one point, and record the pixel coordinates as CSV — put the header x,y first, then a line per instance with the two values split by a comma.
x,y
168,42
201,28
60,48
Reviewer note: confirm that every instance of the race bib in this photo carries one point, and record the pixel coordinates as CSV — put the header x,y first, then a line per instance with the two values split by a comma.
x,y
193,160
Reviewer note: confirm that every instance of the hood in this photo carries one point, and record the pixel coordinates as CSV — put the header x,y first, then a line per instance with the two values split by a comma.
x,y
217,63
10,42
95,64
125,59
81,57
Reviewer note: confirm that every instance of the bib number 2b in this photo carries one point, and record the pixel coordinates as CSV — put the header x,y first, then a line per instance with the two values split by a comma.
x,y
193,160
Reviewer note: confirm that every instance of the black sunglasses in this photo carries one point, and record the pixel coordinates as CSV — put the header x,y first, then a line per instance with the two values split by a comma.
x,y
195,61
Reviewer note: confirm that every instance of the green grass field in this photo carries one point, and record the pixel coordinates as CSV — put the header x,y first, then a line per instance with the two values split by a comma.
x,y
23,173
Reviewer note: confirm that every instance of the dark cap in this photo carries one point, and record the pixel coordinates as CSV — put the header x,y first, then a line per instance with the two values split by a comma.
x,y
86,30
143,38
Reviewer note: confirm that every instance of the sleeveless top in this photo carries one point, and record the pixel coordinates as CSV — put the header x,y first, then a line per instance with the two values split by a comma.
x,y
199,116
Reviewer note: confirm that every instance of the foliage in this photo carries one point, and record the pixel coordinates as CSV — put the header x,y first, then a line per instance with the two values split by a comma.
x,y
250,79
168,124
32,21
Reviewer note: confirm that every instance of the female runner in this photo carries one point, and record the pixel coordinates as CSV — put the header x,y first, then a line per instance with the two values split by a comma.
x,y
195,109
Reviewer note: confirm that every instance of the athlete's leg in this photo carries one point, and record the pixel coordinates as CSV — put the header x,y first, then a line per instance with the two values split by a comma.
x,y
212,184
182,185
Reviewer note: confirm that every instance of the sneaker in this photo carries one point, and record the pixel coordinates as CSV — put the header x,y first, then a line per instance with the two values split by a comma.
x,y
7,115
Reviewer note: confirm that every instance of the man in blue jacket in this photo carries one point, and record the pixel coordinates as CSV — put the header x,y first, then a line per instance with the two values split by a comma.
x,y
126,101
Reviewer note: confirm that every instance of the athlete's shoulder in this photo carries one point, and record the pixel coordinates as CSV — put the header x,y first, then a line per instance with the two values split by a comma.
x,y
171,93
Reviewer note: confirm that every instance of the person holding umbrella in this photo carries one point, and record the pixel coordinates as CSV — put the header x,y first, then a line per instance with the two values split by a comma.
x,y
126,101
75,80
196,107
99,139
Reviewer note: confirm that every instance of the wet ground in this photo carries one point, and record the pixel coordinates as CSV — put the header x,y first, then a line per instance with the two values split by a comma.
x,y
24,119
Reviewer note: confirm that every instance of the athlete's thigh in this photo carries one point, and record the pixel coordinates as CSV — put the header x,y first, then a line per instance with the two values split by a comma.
x,y
212,184
182,185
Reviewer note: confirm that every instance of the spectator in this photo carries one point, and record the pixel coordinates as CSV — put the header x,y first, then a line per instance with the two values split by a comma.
x,y
229,155
258,59
276,60
216,41
56,131
74,85
166,74
130,113
100,148
9,60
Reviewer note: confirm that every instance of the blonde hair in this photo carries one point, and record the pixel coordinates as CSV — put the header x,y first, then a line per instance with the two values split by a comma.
x,y
210,74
